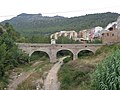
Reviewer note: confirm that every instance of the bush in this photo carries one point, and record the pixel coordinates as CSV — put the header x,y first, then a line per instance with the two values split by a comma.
x,y
67,59
107,74
96,41
10,55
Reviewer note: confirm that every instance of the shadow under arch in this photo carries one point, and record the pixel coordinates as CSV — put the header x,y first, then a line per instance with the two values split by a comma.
x,y
39,55
84,53
64,52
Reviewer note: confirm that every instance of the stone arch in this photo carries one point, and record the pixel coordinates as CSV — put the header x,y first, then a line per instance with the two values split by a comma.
x,y
85,50
63,51
39,51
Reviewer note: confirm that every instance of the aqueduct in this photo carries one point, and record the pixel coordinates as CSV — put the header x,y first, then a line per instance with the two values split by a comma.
x,y
52,49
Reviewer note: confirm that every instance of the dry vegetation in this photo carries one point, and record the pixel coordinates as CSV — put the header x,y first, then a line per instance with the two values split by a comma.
x,y
75,75
33,74
36,78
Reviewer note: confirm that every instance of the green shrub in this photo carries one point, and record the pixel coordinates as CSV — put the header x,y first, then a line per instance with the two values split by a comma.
x,y
96,41
85,53
67,59
107,74
72,77
39,56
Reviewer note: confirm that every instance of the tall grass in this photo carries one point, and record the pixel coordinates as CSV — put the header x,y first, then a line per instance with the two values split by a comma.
x,y
107,74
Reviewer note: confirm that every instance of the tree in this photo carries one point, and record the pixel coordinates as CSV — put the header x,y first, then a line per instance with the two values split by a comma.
x,y
10,55
66,40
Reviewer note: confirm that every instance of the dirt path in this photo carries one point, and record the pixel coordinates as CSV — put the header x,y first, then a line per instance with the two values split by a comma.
x,y
13,85
19,80
51,81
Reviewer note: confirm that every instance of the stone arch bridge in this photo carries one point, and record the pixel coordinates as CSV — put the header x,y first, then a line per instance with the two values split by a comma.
x,y
52,49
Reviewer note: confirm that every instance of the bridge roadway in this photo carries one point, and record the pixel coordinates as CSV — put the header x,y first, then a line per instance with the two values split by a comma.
x,y
53,49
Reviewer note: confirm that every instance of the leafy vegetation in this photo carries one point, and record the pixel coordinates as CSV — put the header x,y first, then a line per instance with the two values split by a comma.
x,y
95,41
85,53
38,55
10,55
73,76
39,39
36,24
40,65
63,53
76,75
67,59
107,74
66,40
37,28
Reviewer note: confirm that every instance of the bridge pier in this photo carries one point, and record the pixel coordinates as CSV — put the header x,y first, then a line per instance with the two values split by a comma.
x,y
75,56
53,58
52,55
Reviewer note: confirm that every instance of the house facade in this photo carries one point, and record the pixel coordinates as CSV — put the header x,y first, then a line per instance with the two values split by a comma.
x,y
111,37
108,35
69,34
111,34
90,34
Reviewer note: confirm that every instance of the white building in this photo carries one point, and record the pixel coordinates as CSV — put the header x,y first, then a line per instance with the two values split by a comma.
x,y
69,34
97,32
53,41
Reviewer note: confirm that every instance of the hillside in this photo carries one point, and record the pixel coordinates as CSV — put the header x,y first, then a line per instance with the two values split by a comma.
x,y
93,72
36,24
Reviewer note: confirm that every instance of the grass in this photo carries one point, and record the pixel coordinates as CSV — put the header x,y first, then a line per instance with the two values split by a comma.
x,y
106,75
39,72
75,75
69,74
67,59
3,83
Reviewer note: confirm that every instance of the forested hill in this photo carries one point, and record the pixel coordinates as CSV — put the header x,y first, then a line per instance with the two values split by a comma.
x,y
36,24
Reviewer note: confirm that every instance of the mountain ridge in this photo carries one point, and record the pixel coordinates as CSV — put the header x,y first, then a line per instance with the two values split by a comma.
x,y
36,24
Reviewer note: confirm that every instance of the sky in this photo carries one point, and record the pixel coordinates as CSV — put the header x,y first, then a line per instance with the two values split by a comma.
x,y
66,8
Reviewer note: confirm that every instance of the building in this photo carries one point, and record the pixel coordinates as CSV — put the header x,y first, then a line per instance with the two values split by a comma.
x,y
97,32
83,35
111,33
69,34
90,34
111,37
53,41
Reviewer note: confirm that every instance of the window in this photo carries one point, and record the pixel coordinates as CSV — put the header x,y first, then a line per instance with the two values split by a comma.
x,y
111,29
85,46
112,34
107,34
103,34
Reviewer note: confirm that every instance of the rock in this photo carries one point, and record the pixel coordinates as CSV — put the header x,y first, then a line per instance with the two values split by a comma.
x,y
39,84
44,75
